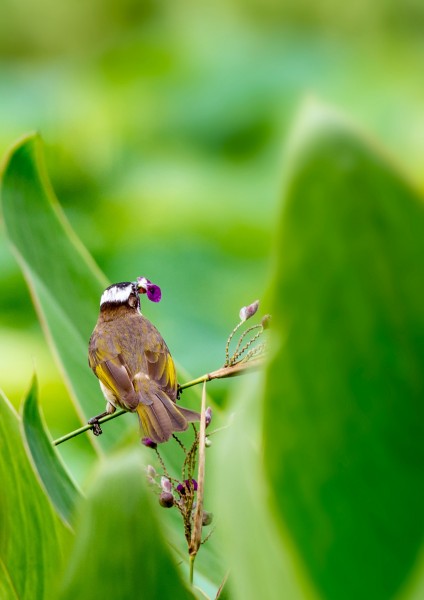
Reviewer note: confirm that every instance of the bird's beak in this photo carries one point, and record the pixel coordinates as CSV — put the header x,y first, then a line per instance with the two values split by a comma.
x,y
141,285
144,286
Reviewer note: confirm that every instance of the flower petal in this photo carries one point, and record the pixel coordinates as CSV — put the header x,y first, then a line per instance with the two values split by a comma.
x,y
153,292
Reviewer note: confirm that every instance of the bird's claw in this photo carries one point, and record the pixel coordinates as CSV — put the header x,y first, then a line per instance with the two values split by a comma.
x,y
95,426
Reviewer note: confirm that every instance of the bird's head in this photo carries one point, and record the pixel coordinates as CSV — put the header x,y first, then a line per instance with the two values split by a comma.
x,y
128,293
120,294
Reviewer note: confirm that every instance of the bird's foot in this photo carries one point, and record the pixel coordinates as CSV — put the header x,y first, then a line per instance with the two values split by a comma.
x,y
95,426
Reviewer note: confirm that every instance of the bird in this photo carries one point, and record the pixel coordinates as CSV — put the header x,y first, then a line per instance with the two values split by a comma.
x,y
134,365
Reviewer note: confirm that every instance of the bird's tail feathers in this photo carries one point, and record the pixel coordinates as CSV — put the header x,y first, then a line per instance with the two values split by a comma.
x,y
160,419
190,415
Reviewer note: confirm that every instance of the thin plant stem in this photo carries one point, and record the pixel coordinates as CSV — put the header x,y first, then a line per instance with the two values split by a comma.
x,y
232,371
162,464
196,535
87,427
253,351
241,338
179,442
238,353
227,347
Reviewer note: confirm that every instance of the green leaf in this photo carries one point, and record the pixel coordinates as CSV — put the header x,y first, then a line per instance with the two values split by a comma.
x,y
258,563
344,413
65,282
66,287
31,535
119,550
56,480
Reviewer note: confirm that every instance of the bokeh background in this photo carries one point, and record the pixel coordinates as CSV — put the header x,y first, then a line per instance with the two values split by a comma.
x,y
165,125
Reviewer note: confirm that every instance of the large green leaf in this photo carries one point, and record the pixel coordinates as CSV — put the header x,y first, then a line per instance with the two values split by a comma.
x,y
64,280
66,286
259,564
119,550
31,535
344,413
56,480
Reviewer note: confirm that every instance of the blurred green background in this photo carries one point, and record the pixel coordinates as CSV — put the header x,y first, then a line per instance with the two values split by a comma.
x,y
165,125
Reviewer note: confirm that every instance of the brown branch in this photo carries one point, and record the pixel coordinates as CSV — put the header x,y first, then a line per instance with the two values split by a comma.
x,y
196,536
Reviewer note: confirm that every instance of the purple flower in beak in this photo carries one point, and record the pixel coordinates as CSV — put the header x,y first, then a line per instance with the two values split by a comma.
x,y
153,292
145,286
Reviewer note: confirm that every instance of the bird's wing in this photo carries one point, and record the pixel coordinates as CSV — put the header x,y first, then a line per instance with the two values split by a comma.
x,y
161,369
114,374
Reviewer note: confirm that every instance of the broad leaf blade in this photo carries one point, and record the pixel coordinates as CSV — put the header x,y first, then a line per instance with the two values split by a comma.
x,y
65,282
344,414
258,563
119,521
57,482
31,535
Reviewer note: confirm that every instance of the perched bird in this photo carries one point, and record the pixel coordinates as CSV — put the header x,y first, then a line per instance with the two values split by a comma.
x,y
133,364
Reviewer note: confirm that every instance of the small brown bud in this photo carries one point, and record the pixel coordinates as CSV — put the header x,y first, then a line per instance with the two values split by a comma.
x,y
166,499
207,518
208,416
265,322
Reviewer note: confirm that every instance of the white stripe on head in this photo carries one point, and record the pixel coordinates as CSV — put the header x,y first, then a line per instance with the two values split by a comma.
x,y
117,294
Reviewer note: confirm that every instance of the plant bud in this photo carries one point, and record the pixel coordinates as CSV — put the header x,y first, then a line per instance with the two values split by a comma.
x,y
207,518
208,416
166,499
151,471
248,311
208,442
182,488
149,443
165,484
265,322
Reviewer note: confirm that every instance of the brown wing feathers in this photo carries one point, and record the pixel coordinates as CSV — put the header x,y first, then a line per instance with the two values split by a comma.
x,y
142,377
